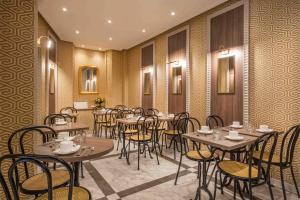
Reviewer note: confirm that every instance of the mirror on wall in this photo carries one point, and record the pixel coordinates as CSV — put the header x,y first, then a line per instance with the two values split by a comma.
x,y
88,78
225,75
147,83
177,80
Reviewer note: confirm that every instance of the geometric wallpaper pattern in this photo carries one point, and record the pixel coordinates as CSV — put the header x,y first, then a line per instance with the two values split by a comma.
x,y
275,66
16,68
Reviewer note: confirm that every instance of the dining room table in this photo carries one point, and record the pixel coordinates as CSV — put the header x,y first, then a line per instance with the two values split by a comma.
x,y
92,148
70,127
219,140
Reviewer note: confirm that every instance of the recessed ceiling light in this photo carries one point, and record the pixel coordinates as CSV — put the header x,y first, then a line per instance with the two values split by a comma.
x,y
99,49
144,30
64,9
172,13
82,45
110,38
109,21
77,32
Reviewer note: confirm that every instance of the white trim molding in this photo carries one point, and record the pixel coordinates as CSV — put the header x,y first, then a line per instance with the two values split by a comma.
x,y
187,71
245,59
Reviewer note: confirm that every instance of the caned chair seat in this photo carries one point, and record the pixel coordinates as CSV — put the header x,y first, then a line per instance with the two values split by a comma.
x,y
194,155
38,182
79,193
131,131
237,169
170,132
110,125
140,137
265,157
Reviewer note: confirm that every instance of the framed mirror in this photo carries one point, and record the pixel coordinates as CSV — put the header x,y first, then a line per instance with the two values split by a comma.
x,y
177,80
147,83
88,79
226,75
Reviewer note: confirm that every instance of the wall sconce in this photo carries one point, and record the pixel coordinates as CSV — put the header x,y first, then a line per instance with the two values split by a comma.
x,y
49,41
223,50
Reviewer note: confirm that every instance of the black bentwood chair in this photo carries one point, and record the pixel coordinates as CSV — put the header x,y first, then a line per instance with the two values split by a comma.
x,y
213,121
36,184
51,119
172,132
285,158
70,111
142,138
50,193
253,172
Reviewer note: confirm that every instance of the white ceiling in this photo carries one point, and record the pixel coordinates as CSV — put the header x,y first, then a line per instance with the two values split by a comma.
x,y
128,17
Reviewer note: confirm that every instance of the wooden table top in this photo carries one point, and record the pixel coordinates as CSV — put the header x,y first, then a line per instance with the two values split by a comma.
x,y
101,148
243,131
222,143
70,127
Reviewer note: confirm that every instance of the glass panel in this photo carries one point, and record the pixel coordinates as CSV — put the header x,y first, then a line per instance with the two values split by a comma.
x,y
88,79
225,75
147,83
177,80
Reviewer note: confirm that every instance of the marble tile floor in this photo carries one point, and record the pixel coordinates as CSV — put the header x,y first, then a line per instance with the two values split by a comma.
x,y
110,178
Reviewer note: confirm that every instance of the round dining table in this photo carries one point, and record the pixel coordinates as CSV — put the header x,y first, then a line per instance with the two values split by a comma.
x,y
92,149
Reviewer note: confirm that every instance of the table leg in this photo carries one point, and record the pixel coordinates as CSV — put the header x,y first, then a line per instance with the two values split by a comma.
x,y
204,185
76,173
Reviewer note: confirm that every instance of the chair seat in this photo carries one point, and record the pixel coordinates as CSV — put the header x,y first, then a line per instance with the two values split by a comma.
x,y
158,128
131,131
194,155
140,137
266,155
109,125
79,193
237,169
170,132
38,182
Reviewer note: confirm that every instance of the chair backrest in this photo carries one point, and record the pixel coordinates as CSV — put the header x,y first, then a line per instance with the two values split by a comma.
x,y
265,143
152,111
288,144
138,111
177,118
51,119
67,110
16,140
213,121
120,107
111,116
145,123
37,160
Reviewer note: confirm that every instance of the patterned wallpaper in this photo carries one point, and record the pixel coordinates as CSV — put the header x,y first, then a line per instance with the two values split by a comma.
x,y
16,69
275,66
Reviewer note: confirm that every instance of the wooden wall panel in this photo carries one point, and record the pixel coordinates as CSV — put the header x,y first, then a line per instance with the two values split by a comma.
x,y
227,31
177,55
147,65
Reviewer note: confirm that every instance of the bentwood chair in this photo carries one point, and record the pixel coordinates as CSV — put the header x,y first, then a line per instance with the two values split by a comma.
x,y
36,184
252,172
110,123
213,121
70,111
283,160
51,192
198,154
143,138
138,111
52,118
172,132
120,107
151,111
99,120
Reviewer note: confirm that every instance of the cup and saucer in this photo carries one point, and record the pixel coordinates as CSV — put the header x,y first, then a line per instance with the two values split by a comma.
x,y
264,129
234,135
66,147
64,136
236,124
205,130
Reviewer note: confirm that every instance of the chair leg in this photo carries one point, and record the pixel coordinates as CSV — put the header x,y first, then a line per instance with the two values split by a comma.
x,y
295,183
179,165
156,153
240,190
138,155
81,166
234,189
216,180
282,183
270,188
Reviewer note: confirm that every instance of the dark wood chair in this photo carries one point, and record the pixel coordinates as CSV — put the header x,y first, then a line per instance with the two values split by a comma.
x,y
213,121
51,119
70,111
36,184
51,191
